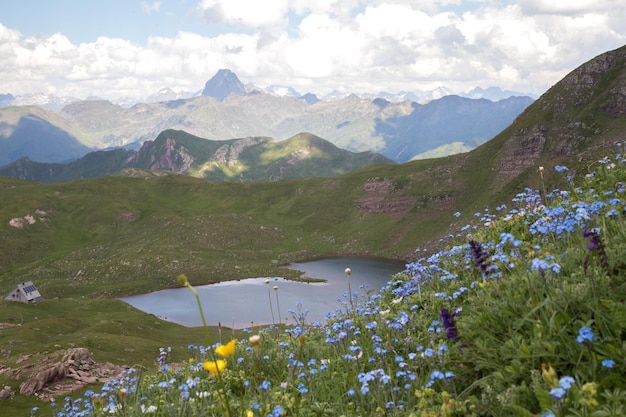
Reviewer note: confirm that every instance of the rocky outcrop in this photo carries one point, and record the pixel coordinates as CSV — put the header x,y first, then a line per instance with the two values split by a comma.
x,y
380,199
229,152
6,393
64,373
522,152
616,105
169,157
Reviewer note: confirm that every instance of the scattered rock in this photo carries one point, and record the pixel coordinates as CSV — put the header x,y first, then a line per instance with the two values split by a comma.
x,y
6,393
22,222
23,358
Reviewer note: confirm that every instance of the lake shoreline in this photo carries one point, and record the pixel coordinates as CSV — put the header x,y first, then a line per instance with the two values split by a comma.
x,y
244,301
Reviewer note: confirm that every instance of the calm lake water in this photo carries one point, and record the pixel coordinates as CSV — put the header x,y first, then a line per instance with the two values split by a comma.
x,y
246,302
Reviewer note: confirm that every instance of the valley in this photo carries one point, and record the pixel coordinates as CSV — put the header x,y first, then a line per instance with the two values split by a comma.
x,y
87,241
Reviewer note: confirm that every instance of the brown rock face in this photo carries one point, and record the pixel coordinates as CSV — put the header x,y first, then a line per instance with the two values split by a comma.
x,y
75,369
522,152
380,199
616,105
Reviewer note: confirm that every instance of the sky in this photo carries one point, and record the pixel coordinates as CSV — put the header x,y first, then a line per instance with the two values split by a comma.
x,y
131,48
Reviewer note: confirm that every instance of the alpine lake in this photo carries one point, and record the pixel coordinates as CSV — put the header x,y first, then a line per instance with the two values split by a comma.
x,y
259,301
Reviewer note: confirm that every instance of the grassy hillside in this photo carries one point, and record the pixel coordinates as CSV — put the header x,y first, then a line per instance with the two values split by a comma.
x,y
153,228
32,333
521,313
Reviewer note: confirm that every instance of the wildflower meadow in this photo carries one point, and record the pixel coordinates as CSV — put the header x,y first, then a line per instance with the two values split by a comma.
x,y
523,314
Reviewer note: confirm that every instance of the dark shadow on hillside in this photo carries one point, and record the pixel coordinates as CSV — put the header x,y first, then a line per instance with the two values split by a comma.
x,y
434,124
39,140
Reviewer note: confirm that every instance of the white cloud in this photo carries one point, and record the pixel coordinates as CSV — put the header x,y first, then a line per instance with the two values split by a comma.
x,y
247,13
324,48
569,7
341,9
148,8
350,45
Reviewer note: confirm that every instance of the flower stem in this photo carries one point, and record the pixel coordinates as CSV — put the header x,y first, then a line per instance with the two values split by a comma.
x,y
269,295
183,280
280,321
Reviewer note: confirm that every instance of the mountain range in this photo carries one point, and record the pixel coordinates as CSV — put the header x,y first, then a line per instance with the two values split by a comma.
x,y
226,109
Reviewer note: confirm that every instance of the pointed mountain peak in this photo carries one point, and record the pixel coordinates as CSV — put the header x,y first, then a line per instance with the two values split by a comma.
x,y
223,83
310,98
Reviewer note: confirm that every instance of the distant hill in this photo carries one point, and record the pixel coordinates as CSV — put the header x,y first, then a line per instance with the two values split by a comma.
x,y
432,126
444,150
247,159
39,134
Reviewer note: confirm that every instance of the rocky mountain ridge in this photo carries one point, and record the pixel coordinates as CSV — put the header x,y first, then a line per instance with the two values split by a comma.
x,y
244,159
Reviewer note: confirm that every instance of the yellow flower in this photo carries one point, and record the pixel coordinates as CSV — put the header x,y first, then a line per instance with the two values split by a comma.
x,y
214,367
249,413
226,350
590,388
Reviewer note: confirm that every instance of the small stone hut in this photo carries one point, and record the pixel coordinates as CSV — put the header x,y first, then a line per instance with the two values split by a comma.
x,y
25,292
